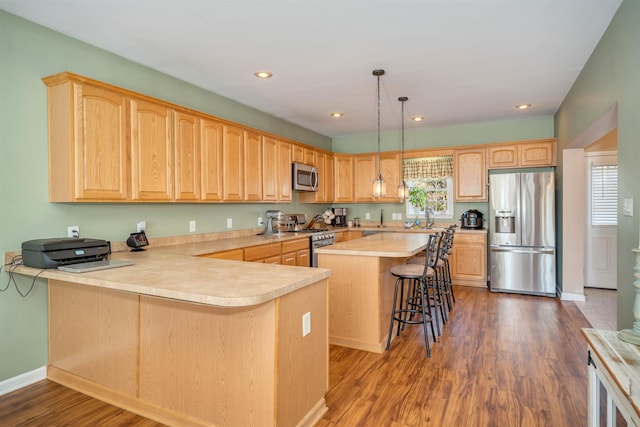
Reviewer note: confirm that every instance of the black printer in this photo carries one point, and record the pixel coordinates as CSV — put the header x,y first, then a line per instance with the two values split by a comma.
x,y
52,253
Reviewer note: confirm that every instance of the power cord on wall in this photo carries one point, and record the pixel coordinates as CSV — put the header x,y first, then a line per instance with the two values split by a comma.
x,y
16,261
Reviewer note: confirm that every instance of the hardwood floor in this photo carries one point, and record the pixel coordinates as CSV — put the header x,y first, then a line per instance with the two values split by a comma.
x,y
503,360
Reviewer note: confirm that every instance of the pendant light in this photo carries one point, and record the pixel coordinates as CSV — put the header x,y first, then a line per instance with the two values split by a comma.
x,y
403,188
379,184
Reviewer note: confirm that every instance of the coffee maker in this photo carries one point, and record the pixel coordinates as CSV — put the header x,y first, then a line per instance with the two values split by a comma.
x,y
340,219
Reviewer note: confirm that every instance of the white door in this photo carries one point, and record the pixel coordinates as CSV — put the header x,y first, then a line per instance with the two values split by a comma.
x,y
602,215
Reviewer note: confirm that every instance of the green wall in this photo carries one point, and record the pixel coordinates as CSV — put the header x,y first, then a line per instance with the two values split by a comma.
x,y
612,75
29,52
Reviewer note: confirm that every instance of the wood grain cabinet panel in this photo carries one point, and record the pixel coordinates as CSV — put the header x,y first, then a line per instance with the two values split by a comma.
x,y
364,172
233,163
187,155
469,259
151,151
538,153
297,153
211,137
324,166
88,142
232,255
284,172
503,156
252,166
343,182
276,170
470,175
390,167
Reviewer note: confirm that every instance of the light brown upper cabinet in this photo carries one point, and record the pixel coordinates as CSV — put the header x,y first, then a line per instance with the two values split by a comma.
x,y
538,153
233,163
276,170
470,175
390,167
252,166
343,173
309,157
503,156
151,151
211,137
522,154
88,142
364,172
297,153
187,156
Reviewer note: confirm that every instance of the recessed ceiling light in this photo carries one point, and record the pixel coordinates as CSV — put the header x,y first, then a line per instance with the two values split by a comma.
x,y
417,118
522,106
336,115
263,74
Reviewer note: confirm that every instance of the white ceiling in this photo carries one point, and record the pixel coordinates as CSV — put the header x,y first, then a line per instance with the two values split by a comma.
x,y
457,61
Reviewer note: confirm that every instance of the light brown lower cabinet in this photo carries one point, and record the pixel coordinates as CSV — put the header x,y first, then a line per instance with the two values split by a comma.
x,y
290,252
187,364
469,259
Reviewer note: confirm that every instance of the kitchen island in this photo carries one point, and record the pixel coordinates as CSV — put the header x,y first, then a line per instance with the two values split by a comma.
x,y
361,286
186,340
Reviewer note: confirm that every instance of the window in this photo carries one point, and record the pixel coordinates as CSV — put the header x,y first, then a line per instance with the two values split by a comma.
x,y
430,184
437,194
604,194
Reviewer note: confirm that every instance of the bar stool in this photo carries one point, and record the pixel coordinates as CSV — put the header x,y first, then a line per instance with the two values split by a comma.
x,y
416,278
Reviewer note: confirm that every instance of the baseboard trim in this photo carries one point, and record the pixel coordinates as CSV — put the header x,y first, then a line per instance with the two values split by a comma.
x,y
22,380
572,297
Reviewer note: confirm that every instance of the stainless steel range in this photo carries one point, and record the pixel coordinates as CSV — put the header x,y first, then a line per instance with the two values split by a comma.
x,y
318,240
318,237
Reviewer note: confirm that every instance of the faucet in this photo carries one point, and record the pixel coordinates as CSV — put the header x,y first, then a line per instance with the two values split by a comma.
x,y
427,217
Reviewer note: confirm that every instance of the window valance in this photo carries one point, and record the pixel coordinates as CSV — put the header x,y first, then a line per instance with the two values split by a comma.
x,y
439,167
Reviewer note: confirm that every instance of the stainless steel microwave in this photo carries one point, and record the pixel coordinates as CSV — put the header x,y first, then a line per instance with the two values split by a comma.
x,y
304,177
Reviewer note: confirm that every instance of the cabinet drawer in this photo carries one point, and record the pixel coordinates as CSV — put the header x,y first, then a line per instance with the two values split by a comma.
x,y
295,245
469,238
253,253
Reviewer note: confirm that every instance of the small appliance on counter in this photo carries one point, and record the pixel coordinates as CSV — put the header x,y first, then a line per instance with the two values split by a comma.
x,y
56,252
295,222
275,222
340,219
471,219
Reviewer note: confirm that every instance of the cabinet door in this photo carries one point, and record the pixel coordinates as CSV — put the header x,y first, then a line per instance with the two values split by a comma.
x,y
232,254
539,153
309,157
252,166
365,171
284,171
297,153
187,154
101,152
503,156
469,259
343,173
233,163
211,149
470,178
390,167
269,169
303,258
326,176
151,151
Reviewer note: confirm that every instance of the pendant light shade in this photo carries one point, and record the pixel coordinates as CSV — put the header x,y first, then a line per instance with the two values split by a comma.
x,y
403,188
379,184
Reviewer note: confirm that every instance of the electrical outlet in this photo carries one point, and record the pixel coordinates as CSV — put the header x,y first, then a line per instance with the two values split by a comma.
x,y
141,226
367,215
192,226
73,231
259,220
306,324
229,222
399,216
394,216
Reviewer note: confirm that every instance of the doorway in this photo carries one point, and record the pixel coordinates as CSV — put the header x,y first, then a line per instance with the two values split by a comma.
x,y
601,220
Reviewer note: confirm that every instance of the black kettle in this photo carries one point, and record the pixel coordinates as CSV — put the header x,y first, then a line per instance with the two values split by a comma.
x,y
471,219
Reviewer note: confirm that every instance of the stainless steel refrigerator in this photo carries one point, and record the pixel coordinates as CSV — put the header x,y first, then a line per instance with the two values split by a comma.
x,y
522,233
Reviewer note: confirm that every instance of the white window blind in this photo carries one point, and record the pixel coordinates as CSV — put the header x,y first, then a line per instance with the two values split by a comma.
x,y
604,194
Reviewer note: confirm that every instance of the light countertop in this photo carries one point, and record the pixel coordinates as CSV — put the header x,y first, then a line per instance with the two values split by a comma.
x,y
391,245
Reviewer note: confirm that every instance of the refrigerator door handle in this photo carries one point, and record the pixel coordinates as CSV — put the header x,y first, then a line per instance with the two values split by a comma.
x,y
521,250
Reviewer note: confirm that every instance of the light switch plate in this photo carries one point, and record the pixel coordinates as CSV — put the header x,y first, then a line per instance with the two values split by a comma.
x,y
192,226
229,222
627,207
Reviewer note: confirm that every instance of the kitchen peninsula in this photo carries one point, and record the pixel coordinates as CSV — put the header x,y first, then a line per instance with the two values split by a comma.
x,y
187,340
361,286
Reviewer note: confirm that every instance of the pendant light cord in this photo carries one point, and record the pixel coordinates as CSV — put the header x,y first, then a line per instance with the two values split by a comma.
x,y
379,173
